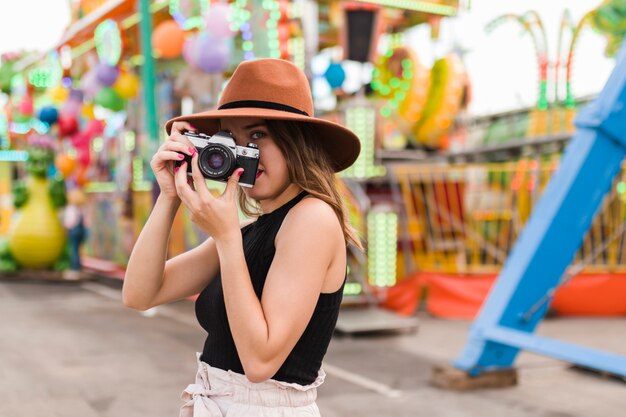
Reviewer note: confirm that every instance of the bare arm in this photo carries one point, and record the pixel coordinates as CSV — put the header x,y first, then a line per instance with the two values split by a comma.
x,y
149,279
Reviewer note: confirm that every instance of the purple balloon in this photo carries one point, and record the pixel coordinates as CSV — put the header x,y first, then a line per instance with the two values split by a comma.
x,y
188,51
218,20
90,84
107,74
71,108
76,95
212,54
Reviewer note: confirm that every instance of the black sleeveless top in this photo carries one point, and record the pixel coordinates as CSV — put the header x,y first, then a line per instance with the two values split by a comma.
x,y
304,361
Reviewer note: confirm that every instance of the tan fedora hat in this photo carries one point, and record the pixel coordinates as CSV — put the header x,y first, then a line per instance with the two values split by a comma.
x,y
276,89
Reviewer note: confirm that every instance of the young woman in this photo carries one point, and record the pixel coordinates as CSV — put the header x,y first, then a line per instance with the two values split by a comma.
x,y
270,291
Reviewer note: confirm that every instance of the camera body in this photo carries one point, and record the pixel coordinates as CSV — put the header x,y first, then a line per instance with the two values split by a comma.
x,y
219,156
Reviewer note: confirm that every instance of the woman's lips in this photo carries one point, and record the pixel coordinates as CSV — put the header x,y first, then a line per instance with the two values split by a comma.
x,y
259,172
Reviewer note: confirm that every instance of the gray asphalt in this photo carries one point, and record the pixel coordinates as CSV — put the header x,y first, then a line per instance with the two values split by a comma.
x,y
72,349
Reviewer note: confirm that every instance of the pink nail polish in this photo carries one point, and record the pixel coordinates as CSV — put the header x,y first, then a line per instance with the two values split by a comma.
x,y
192,150
240,173
181,156
176,169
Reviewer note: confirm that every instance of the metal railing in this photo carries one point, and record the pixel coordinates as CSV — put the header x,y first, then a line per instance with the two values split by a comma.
x,y
466,218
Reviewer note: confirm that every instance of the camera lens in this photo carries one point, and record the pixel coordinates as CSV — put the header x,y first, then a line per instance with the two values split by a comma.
x,y
216,161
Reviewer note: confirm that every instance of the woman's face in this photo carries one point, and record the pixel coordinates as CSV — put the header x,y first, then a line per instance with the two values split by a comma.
x,y
272,180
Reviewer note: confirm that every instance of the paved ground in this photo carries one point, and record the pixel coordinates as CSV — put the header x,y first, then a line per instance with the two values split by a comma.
x,y
72,349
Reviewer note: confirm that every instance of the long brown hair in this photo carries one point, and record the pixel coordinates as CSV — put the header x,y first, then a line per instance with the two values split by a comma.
x,y
309,168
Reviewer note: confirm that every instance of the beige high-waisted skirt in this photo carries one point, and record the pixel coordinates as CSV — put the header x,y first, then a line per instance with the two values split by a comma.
x,y
219,393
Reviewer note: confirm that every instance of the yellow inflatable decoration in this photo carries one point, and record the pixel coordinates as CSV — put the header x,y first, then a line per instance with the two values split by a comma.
x,y
38,238
421,103
401,79
448,87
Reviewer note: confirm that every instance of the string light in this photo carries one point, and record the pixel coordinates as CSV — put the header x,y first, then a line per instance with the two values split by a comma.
x,y
108,42
362,121
137,170
241,22
273,10
352,288
48,74
382,237
394,87
416,5
195,19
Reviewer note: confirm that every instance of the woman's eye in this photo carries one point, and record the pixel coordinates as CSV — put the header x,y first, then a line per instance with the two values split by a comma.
x,y
257,135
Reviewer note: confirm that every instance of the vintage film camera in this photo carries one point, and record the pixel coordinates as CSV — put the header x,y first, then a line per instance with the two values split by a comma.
x,y
219,156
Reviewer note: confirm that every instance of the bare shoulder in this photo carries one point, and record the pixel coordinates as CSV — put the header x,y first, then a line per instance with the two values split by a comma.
x,y
314,217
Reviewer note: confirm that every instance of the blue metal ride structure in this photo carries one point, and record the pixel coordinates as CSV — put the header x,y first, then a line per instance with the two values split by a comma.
x,y
549,243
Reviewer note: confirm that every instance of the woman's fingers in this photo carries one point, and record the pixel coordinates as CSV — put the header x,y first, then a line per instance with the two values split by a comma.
x,y
169,156
231,184
198,178
177,133
182,186
181,127
173,145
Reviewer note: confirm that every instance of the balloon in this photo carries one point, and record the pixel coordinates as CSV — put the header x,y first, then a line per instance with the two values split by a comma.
x,y
76,95
90,84
81,176
68,124
80,140
207,53
127,85
48,114
65,164
94,128
189,51
58,94
87,111
71,108
218,21
335,75
106,74
108,98
168,39
84,156
26,106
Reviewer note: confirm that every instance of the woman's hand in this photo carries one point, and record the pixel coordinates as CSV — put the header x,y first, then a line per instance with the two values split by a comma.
x,y
162,162
215,215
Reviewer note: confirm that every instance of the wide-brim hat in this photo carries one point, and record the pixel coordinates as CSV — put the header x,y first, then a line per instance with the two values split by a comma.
x,y
276,89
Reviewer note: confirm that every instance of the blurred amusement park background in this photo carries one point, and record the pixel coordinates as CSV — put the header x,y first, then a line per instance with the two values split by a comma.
x,y
464,109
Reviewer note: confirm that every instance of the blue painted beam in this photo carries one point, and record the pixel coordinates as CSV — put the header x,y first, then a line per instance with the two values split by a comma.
x,y
555,230
568,352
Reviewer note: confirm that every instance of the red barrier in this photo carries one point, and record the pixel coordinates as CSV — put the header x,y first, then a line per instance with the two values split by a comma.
x,y
460,296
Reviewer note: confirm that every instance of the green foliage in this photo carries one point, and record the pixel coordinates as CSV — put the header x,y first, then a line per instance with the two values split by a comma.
x,y
39,160
7,263
20,194
57,193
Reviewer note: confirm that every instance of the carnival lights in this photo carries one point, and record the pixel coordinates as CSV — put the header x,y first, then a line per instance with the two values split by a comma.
x,y
362,121
382,237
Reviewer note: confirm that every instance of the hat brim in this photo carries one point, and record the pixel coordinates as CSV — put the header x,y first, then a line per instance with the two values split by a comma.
x,y
341,144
